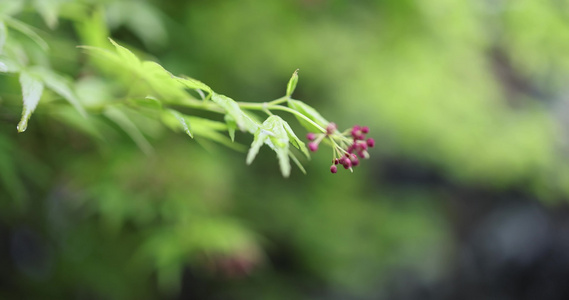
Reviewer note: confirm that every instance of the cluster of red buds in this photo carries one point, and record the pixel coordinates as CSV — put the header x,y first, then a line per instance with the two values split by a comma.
x,y
348,147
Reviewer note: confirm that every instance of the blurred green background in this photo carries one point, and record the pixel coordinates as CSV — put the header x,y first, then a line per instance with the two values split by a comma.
x,y
464,196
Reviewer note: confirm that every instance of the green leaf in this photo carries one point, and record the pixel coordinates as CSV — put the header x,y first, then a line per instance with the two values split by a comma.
x,y
309,112
200,127
279,142
32,89
59,85
210,130
244,122
28,31
182,121
8,65
121,119
292,83
148,103
91,26
273,134
128,57
231,126
258,140
159,81
295,141
194,84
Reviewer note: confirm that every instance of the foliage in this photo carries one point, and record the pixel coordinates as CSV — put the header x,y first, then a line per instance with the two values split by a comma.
x,y
164,91
463,96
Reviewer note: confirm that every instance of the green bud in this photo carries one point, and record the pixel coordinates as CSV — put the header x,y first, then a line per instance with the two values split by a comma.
x,y
292,83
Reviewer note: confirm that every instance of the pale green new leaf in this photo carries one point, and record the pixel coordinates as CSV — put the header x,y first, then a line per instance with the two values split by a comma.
x,y
309,112
26,30
295,141
258,140
150,103
103,53
59,85
8,65
210,129
194,84
158,79
182,121
161,81
231,126
200,127
279,142
244,122
128,57
32,90
272,133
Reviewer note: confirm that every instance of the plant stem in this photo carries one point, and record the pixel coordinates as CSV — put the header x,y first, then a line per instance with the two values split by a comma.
x,y
279,101
296,113
198,104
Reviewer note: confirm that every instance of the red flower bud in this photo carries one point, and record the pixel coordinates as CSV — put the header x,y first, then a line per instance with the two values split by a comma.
x,y
354,160
331,128
313,146
310,136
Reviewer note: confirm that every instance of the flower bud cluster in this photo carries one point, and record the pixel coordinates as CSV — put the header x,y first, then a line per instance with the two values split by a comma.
x,y
348,147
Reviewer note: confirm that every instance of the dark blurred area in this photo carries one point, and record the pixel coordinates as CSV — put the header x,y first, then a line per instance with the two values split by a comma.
x,y
464,196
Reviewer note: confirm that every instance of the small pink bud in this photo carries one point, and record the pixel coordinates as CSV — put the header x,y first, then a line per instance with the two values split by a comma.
x,y
347,164
363,154
365,129
370,142
351,148
331,128
333,169
310,136
313,146
357,135
356,128
336,161
355,161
